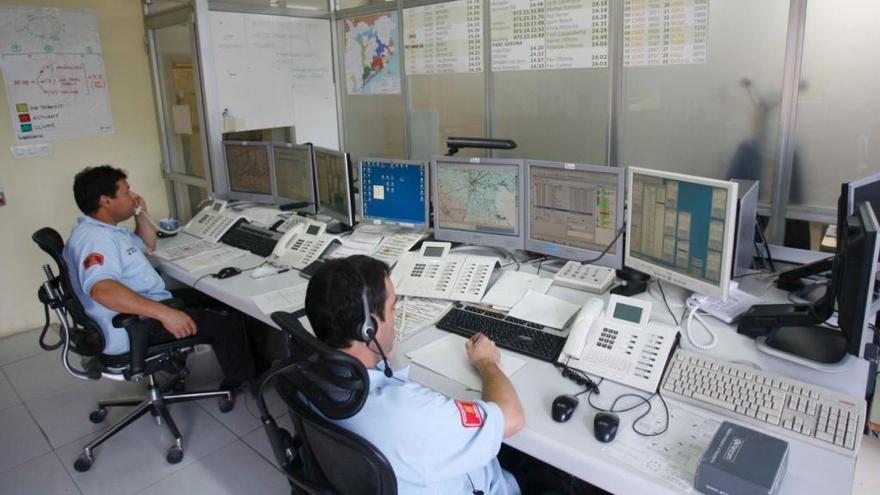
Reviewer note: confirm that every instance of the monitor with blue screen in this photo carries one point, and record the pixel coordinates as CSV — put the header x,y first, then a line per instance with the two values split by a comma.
x,y
394,192
680,229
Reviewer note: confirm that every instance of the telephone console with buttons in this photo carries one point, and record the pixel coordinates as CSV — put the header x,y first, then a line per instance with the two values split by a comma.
x,y
436,274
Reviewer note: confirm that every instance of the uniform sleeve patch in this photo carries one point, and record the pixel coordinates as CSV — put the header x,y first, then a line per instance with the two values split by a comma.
x,y
93,259
471,416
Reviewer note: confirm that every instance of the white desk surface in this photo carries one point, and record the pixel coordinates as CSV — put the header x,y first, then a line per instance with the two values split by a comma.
x,y
571,446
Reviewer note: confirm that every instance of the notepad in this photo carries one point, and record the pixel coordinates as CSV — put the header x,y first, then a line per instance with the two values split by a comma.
x,y
448,357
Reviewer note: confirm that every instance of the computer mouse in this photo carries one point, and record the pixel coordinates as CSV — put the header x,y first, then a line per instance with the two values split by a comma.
x,y
229,271
605,426
563,407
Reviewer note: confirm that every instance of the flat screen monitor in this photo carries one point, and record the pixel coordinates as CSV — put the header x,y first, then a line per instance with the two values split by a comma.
x,y
857,251
333,177
680,229
249,171
575,211
394,191
294,175
477,201
864,189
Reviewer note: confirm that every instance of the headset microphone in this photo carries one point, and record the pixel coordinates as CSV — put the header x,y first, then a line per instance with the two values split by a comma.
x,y
388,371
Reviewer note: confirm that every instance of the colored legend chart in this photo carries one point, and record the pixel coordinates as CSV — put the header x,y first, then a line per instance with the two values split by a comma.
x,y
54,73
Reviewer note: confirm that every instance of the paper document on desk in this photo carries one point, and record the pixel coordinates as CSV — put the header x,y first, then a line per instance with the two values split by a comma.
x,y
543,309
415,313
358,242
210,259
286,299
394,246
448,357
512,286
672,456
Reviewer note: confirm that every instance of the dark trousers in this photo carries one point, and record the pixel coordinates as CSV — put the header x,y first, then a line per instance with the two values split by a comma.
x,y
223,325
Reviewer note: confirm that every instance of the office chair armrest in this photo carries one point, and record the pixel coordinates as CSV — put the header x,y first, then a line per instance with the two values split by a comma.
x,y
138,329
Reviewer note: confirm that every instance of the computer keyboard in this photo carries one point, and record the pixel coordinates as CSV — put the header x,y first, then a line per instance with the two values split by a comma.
x,y
251,238
510,333
777,404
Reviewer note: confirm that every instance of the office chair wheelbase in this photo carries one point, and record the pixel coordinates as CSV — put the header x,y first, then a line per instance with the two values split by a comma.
x,y
156,403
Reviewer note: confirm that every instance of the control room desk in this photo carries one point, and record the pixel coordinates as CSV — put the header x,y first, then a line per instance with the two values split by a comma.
x,y
571,446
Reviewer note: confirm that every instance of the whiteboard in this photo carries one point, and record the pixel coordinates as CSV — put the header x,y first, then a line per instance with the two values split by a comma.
x,y
276,71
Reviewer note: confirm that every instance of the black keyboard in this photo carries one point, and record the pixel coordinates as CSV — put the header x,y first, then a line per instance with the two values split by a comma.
x,y
251,238
508,332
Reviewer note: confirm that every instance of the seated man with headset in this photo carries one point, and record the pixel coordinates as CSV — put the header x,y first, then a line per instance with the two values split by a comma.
x,y
435,444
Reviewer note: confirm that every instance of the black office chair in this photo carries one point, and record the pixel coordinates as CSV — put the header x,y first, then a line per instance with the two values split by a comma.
x,y
81,335
318,383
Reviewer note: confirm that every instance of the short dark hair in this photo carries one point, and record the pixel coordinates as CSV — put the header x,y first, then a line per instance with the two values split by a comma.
x,y
333,298
92,183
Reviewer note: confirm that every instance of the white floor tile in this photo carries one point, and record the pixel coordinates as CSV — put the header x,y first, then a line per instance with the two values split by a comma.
x,y
23,345
20,438
40,374
233,470
8,397
64,414
44,475
135,458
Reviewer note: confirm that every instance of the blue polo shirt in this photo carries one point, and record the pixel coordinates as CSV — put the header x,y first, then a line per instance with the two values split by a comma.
x,y
433,442
99,251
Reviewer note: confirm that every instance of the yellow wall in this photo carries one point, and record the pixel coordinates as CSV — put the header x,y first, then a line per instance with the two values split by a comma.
x,y
38,190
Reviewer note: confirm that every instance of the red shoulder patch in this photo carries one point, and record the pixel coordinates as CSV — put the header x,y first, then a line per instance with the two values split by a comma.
x,y
93,259
470,414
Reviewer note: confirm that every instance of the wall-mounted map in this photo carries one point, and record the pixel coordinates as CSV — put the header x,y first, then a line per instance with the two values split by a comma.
x,y
372,61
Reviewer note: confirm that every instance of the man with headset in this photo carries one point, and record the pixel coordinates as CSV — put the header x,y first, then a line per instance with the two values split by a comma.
x,y
435,444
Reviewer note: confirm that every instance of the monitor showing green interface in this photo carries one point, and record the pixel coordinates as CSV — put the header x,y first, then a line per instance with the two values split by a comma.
x,y
680,229
334,185
294,175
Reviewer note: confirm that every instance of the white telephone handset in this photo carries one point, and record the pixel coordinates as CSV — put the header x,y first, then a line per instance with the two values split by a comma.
x,y
620,345
302,244
580,328
212,222
434,273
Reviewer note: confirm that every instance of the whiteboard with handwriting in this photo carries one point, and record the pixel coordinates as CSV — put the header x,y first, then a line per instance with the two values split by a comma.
x,y
276,71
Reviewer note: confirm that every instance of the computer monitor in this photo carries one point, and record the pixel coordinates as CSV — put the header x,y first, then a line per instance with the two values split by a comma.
x,y
332,173
477,201
864,189
394,192
857,250
294,175
574,211
249,171
680,229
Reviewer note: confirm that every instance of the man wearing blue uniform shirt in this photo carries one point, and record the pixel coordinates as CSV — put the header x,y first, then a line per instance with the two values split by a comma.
x,y
111,274
435,444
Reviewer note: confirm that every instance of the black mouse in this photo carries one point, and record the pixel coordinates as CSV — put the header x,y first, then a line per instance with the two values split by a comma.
x,y
229,271
563,407
605,426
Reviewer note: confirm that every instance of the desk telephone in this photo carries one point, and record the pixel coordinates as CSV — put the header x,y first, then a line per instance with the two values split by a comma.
x,y
212,222
302,244
436,274
619,345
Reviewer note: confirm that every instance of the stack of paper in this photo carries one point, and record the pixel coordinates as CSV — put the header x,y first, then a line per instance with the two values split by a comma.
x,y
189,249
511,287
286,299
416,313
210,259
448,357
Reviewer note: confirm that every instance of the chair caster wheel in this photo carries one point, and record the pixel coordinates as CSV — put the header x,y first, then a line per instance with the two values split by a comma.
x,y
175,455
226,405
98,415
83,463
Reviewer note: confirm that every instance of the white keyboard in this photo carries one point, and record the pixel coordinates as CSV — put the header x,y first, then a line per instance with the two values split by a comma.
x,y
777,404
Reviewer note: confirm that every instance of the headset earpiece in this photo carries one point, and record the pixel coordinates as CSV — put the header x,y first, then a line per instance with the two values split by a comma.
x,y
368,328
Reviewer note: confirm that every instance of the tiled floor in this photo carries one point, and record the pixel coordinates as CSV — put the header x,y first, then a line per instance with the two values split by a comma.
x,y
44,424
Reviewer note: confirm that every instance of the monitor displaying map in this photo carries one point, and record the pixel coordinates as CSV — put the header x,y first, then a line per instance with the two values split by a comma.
x,y
249,171
477,200
334,185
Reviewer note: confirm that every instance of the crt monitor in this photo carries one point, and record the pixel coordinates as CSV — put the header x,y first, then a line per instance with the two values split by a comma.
x,y
477,201
680,229
332,173
575,211
249,170
394,191
294,175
